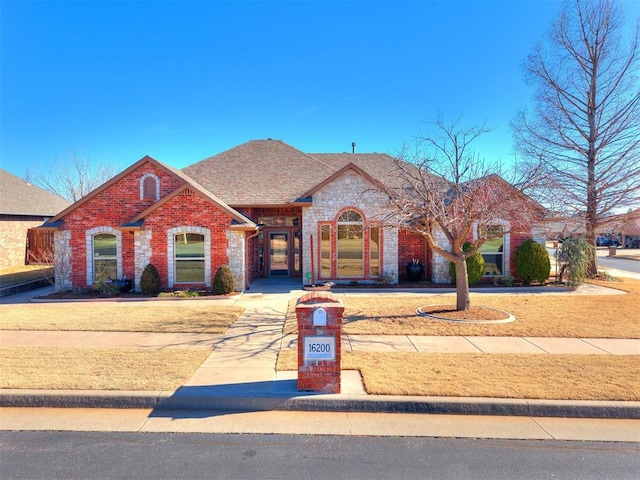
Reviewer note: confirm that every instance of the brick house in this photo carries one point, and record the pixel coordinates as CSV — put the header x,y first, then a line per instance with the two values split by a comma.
x,y
23,207
264,208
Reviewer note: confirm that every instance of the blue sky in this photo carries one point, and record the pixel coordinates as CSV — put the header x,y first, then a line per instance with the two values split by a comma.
x,y
182,81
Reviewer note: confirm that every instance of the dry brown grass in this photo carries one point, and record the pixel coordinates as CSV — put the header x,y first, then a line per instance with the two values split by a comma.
x,y
537,315
549,377
162,317
98,369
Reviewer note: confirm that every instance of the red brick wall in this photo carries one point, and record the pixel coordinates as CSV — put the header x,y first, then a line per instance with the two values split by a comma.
x,y
187,209
410,246
520,232
319,375
120,202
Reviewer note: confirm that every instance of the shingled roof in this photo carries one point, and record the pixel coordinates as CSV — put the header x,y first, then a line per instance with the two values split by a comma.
x,y
270,172
239,220
19,197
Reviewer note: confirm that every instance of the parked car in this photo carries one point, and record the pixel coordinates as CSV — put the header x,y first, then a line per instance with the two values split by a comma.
x,y
635,243
607,242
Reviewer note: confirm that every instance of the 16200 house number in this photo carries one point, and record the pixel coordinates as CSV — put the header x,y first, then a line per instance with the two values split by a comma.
x,y
319,348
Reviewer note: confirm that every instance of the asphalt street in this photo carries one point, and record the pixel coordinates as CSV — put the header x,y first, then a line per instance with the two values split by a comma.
x,y
76,455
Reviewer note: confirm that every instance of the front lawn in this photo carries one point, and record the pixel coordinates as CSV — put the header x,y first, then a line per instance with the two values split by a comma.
x,y
537,315
158,316
548,377
58,368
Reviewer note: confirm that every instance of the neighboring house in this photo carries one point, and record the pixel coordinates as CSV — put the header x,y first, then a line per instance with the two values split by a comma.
x,y
623,228
22,207
264,208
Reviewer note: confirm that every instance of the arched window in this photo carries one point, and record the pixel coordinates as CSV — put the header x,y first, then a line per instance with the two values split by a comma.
x,y
149,187
105,259
350,245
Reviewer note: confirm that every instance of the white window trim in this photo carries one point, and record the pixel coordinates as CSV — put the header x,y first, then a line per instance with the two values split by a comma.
x,y
506,247
171,260
143,178
89,234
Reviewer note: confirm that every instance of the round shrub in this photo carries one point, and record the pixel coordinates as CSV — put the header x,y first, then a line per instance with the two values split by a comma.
x,y
150,283
532,262
475,266
223,281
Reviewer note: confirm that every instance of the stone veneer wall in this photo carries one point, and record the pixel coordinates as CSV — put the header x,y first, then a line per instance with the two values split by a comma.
x,y
142,254
62,255
236,254
439,264
349,190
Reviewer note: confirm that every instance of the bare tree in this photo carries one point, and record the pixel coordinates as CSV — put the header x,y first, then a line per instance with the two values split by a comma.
x,y
443,191
74,176
583,136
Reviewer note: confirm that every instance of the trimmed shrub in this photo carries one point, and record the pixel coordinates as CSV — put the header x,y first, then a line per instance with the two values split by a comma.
x,y
223,282
532,262
475,266
150,283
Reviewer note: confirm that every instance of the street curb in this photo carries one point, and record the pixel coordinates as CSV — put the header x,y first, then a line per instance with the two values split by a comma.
x,y
318,403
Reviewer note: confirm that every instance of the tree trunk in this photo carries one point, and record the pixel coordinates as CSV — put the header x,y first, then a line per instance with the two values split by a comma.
x,y
463,302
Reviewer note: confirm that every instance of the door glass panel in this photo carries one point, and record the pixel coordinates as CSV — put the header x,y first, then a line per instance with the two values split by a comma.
x,y
279,254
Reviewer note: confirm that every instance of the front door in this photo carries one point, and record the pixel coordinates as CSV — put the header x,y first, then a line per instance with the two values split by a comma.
x,y
278,254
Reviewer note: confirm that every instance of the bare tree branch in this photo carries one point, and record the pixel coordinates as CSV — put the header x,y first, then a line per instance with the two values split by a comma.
x,y
583,137
442,188
75,176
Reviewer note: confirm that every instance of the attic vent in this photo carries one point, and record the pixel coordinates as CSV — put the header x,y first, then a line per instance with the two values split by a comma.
x,y
188,191
353,147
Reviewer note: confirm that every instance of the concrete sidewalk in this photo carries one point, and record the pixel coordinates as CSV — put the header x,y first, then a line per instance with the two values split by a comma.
x,y
240,375
320,423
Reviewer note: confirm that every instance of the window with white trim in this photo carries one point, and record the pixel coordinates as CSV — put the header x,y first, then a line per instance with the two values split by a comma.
x,y
493,251
105,259
189,258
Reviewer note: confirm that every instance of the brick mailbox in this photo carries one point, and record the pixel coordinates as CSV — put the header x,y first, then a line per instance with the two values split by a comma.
x,y
319,317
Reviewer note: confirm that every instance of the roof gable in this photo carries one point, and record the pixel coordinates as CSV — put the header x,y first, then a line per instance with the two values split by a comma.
x,y
270,172
182,178
146,159
348,167
241,220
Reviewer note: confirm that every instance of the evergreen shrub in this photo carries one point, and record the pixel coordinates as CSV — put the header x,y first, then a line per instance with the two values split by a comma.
x,y
532,262
150,283
223,282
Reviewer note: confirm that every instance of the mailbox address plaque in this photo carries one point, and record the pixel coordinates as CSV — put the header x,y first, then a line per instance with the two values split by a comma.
x,y
319,347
